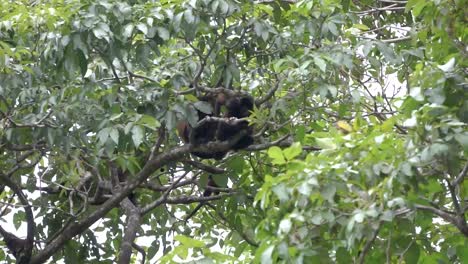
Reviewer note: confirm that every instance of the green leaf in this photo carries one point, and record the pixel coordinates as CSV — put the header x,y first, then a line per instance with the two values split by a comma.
x,y
412,255
281,192
187,241
114,135
137,135
359,217
285,226
82,62
293,151
343,256
101,31
267,255
143,28
18,219
325,143
276,154
204,107
320,63
328,193
115,116
103,135
361,27
163,33
149,122
220,180
416,6
128,30
188,15
463,140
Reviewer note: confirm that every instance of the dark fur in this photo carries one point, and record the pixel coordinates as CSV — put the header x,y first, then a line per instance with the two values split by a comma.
x,y
236,107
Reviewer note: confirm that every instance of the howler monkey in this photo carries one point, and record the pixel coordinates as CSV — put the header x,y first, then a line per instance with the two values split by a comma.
x,y
203,133
238,106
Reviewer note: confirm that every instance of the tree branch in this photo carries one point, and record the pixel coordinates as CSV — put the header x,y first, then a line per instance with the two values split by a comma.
x,y
163,198
133,223
459,222
460,176
369,244
142,251
23,255
79,226
269,94
204,167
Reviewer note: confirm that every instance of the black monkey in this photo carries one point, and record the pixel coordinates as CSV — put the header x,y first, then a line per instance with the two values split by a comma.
x,y
205,132
238,106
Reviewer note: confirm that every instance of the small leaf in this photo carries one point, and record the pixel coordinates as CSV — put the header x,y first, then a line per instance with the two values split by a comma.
x,y
115,117
128,30
344,126
328,192
114,135
101,31
285,226
188,15
316,219
204,107
448,67
320,63
163,33
462,139
143,28
137,135
359,217
343,256
293,151
276,154
412,255
187,241
361,27
266,255
103,135
149,122
325,143
281,192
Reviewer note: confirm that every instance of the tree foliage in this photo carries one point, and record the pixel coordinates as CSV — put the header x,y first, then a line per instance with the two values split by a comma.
x,y
360,124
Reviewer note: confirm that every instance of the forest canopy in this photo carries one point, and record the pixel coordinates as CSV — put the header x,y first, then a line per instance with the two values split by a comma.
x,y
221,131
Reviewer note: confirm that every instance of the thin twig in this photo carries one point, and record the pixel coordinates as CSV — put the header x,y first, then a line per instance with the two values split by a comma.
x,y
459,179
368,245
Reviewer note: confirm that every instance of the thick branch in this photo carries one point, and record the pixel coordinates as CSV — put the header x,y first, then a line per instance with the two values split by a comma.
x,y
26,251
459,222
150,167
133,223
82,224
